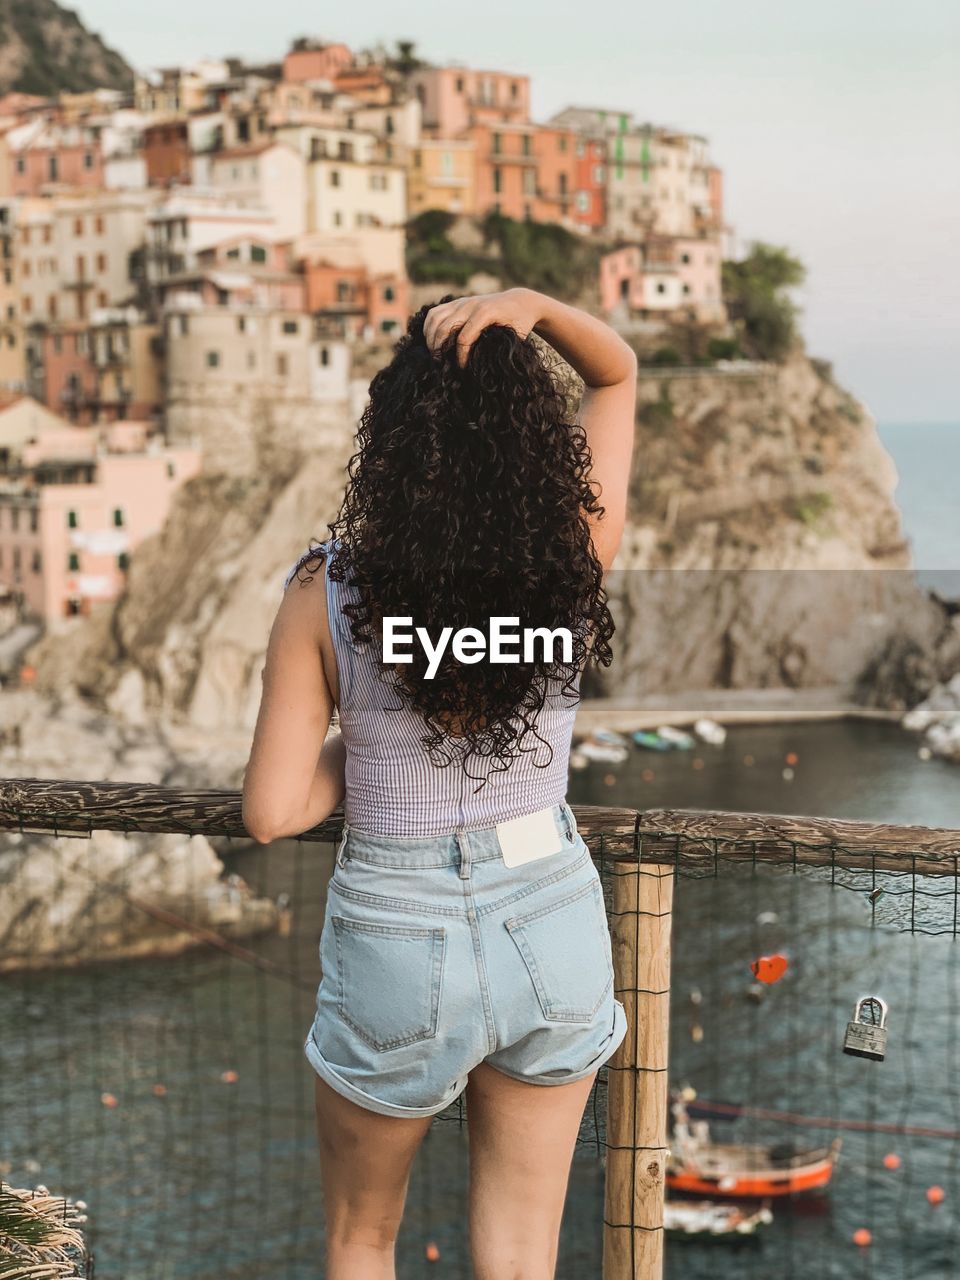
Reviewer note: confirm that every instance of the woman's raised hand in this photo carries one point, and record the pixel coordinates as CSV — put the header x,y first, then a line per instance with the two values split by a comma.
x,y
518,308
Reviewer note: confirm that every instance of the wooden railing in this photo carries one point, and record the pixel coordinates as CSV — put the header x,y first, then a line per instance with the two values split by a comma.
x,y
643,850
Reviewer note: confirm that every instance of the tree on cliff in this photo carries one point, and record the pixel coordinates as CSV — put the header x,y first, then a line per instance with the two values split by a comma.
x,y
755,293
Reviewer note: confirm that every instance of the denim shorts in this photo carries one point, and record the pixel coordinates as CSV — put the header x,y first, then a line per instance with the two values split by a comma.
x,y
436,956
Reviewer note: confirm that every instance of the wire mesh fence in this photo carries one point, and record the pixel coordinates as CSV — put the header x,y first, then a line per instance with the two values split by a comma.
x,y
154,1004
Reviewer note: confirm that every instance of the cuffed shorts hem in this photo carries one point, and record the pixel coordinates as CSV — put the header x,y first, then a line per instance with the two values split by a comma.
x,y
617,1036
366,1100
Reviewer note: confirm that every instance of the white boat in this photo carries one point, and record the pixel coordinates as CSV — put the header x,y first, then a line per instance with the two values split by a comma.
x,y
710,731
578,760
700,1219
609,738
600,751
681,740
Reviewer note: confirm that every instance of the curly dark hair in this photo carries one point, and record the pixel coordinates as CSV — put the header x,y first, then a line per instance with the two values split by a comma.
x,y
468,498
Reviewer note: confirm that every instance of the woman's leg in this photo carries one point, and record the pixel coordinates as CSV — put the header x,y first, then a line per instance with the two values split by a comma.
x,y
522,1138
365,1162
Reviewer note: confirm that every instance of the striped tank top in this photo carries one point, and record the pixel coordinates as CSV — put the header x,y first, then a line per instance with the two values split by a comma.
x,y
393,788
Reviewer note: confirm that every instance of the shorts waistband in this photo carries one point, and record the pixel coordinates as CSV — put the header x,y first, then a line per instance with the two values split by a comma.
x,y
437,850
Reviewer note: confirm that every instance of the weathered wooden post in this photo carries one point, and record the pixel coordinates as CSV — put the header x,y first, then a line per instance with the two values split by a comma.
x,y
638,1084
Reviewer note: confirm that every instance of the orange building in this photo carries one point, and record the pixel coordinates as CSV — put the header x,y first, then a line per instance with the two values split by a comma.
x,y
309,60
528,171
590,200
354,298
166,153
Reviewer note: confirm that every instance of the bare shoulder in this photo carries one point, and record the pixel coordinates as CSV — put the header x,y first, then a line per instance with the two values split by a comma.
x,y
303,610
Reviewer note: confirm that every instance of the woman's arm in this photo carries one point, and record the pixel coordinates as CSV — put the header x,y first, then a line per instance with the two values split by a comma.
x,y
607,365
294,777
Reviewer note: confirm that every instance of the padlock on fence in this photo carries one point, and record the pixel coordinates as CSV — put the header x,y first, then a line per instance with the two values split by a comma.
x,y
867,1038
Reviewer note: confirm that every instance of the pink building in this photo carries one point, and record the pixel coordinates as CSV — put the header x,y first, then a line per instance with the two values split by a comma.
x,y
79,506
664,275
52,154
242,270
455,98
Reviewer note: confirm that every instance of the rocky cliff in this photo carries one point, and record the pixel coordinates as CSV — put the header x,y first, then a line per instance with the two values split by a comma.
x,y
764,550
46,49
764,547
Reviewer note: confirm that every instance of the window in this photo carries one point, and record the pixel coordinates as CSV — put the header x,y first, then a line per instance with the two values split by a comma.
x,y
290,326
184,325
661,288
34,520
47,234
88,159
101,262
562,142
241,324
283,365
15,514
26,268
514,89
334,177
324,356
529,182
496,144
213,359
52,306
73,562
57,344
118,517
171,471
684,257
378,182
98,224
583,202
459,83
123,561
16,559
686,288
78,226
81,266
258,253
387,326
337,218
388,294
27,305
103,299
234,252
563,184
526,144
37,564
52,169
21,165
497,181
251,359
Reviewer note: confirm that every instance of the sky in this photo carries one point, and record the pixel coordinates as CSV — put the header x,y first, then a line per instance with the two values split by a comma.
x,y
837,126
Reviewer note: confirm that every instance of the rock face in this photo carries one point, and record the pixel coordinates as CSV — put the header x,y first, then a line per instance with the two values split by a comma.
x,y
46,49
764,548
69,900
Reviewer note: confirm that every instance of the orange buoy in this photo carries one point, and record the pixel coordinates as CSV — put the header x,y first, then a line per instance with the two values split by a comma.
x,y
108,1100
891,1160
697,762
936,1195
647,775
609,779
791,758
862,1237
432,1252
748,760
229,1077
159,1090
770,968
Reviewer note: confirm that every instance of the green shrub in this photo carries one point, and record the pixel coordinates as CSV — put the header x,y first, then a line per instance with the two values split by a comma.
x,y
754,290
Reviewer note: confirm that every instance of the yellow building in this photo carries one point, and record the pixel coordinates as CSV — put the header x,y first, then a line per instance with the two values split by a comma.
x,y
442,175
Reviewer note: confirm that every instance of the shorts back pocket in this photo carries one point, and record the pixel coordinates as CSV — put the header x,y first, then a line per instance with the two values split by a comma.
x,y
565,945
388,980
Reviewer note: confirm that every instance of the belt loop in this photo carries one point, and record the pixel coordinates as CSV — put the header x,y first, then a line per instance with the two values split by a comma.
x,y
463,844
342,850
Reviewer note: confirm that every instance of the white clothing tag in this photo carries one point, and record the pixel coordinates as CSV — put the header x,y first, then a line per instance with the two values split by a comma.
x,y
532,836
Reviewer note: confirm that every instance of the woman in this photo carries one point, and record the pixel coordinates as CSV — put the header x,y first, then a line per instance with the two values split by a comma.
x,y
465,945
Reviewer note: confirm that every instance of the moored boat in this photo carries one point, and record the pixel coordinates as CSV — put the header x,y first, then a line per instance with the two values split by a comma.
x,y
651,741
708,1220
700,1166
